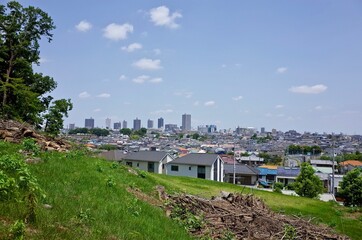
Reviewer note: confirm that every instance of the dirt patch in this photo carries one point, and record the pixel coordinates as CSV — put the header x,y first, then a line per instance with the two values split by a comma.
x,y
241,217
144,197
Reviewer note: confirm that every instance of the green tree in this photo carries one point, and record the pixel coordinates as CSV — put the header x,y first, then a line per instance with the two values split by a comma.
x,y
54,117
195,136
351,188
99,132
307,184
126,131
23,93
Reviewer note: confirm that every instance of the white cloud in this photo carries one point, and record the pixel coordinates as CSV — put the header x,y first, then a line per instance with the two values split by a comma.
x,y
148,64
43,60
223,65
141,79
84,95
132,47
282,69
209,103
161,16
318,108
97,110
279,106
185,94
156,80
157,51
122,77
104,95
237,98
319,88
83,26
117,32
197,103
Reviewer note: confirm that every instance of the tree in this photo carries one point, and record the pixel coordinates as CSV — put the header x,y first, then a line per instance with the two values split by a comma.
x,y
99,132
307,184
126,131
195,136
23,93
351,188
54,117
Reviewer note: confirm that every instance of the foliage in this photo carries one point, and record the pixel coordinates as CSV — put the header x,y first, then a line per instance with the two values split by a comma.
x,y
351,188
290,233
270,159
108,147
277,187
24,93
99,132
195,136
298,149
30,146
79,130
54,117
307,184
17,230
187,219
18,184
126,131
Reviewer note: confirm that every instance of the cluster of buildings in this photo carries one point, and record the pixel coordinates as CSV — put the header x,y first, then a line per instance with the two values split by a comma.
x,y
137,124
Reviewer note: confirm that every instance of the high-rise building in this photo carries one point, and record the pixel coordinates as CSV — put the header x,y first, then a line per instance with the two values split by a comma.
x,y
149,123
71,126
117,125
108,123
186,122
262,130
136,124
160,123
170,127
124,124
89,123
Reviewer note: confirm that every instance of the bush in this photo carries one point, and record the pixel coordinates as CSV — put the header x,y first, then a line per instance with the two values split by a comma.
x,y
307,184
351,188
277,187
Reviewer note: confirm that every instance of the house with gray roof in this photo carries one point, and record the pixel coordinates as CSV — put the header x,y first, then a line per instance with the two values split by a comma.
x,y
113,155
287,175
151,161
198,165
244,174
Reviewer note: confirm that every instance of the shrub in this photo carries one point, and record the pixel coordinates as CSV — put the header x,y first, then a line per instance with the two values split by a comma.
x,y
277,187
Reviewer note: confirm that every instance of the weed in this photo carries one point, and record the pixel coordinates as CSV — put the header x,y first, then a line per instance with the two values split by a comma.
x,y
187,219
228,235
289,232
30,146
114,165
99,168
134,207
17,230
142,174
84,217
110,182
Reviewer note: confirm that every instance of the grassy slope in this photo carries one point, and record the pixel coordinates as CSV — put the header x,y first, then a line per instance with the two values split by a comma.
x,y
95,189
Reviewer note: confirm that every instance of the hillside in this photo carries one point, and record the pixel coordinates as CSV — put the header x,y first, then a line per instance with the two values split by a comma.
x,y
90,198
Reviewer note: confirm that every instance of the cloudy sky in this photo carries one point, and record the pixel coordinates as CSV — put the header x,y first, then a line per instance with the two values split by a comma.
x,y
273,64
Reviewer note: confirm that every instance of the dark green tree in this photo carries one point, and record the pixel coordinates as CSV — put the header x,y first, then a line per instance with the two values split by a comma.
x,y
23,93
54,117
307,184
195,136
99,132
351,188
126,131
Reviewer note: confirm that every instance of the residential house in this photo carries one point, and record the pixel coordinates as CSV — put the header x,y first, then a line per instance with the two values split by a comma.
x,y
267,173
349,165
198,165
251,160
287,175
151,161
244,174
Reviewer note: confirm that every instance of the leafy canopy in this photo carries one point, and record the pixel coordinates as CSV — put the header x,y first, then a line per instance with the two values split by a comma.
x,y
24,94
351,188
307,184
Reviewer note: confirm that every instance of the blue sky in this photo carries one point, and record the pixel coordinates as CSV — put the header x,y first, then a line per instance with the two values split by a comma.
x,y
273,64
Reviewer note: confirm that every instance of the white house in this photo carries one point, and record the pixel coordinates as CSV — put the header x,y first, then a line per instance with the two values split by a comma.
x,y
198,165
151,161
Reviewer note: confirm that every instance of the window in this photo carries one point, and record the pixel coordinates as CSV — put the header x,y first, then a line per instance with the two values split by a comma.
x,y
138,164
174,168
201,173
190,168
129,164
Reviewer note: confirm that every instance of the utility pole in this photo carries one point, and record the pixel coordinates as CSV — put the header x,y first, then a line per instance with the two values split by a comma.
x,y
333,166
234,168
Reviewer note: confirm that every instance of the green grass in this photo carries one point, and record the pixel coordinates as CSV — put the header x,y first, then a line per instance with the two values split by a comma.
x,y
89,201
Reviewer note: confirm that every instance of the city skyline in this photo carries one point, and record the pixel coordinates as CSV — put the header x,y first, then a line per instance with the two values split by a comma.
x,y
280,64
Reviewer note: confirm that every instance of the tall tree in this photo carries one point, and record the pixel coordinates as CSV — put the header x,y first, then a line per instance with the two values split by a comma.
x,y
23,93
307,184
351,188
54,117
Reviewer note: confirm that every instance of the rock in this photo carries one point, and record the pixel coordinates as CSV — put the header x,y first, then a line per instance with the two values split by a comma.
x,y
47,206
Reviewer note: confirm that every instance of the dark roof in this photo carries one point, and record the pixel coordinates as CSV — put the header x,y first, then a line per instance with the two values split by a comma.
x,y
114,155
240,169
146,156
203,159
287,171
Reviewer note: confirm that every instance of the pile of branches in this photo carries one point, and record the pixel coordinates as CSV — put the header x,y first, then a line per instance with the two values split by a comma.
x,y
15,132
240,217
